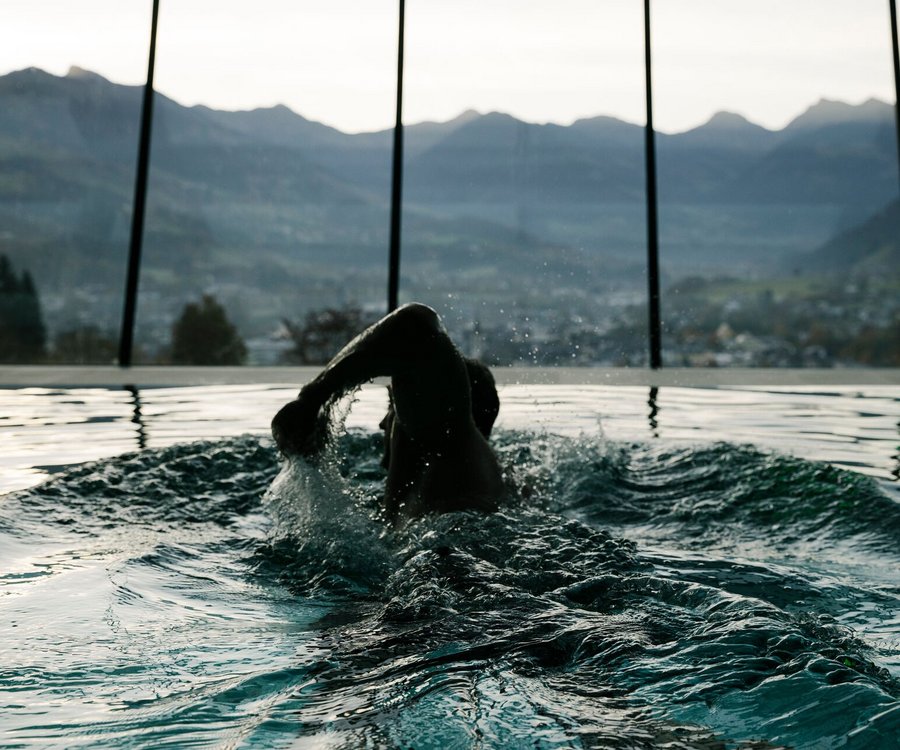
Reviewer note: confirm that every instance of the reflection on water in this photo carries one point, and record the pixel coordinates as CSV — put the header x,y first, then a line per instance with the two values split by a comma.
x,y
45,429
654,411
138,418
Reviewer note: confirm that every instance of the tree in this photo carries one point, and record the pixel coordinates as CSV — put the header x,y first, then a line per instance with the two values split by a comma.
x,y
322,333
23,336
84,345
203,335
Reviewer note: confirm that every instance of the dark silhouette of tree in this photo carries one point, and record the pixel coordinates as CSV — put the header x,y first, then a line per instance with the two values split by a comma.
x,y
322,334
23,336
875,346
85,345
203,335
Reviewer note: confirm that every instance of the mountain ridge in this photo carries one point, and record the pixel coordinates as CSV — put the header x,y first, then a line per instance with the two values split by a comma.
x,y
486,195
833,152
823,110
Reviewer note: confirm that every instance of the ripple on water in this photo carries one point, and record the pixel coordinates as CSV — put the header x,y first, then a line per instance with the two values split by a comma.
x,y
635,595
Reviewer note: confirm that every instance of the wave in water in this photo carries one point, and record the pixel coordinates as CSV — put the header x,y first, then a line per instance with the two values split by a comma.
x,y
634,595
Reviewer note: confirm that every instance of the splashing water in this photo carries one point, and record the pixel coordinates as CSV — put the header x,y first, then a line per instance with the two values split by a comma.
x,y
633,596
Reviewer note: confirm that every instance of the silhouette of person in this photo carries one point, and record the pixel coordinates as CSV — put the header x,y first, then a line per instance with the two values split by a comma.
x,y
442,409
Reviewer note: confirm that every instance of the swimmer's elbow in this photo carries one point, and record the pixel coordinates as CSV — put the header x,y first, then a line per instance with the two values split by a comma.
x,y
418,318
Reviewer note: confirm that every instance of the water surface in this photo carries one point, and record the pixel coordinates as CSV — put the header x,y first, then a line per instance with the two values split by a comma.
x,y
658,583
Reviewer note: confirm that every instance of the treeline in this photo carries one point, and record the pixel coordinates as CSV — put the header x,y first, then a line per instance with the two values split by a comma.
x,y
23,333
708,322
201,335
23,336
831,321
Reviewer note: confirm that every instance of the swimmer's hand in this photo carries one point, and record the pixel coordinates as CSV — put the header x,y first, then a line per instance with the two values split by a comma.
x,y
300,428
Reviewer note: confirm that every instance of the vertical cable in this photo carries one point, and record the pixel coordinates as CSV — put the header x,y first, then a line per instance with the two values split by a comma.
x,y
126,338
397,178
652,212
894,45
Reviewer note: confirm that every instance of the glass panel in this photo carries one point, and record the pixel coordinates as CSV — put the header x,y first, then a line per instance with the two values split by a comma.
x,y
524,218
261,221
68,145
777,163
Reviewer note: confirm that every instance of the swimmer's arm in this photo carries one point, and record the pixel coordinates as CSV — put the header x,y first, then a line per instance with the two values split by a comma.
x,y
410,346
385,349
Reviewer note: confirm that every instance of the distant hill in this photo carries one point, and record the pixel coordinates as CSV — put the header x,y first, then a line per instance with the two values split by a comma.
x,y
497,158
815,160
828,112
87,121
833,153
870,248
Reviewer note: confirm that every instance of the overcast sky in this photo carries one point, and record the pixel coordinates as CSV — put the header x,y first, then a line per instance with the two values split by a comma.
x,y
556,60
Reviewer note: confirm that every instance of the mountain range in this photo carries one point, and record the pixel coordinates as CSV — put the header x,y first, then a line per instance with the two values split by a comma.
x,y
284,213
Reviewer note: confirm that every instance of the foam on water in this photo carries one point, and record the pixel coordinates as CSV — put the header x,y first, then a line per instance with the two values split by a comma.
x,y
635,595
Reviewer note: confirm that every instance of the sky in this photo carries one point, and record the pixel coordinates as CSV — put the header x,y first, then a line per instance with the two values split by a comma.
x,y
548,61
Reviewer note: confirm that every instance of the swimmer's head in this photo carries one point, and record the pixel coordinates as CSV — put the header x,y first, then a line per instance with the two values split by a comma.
x,y
485,401
387,425
485,405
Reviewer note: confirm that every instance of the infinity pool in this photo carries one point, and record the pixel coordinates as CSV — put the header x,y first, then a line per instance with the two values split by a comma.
x,y
682,568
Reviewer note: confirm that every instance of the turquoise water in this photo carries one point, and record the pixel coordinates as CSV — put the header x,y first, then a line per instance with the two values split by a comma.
x,y
658,583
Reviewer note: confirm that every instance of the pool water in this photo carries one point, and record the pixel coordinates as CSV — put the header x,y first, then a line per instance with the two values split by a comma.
x,y
682,568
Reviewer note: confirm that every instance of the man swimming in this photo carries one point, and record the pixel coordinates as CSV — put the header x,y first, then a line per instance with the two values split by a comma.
x,y
441,412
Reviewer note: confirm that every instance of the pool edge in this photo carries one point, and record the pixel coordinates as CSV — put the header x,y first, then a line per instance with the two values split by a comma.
x,y
31,376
